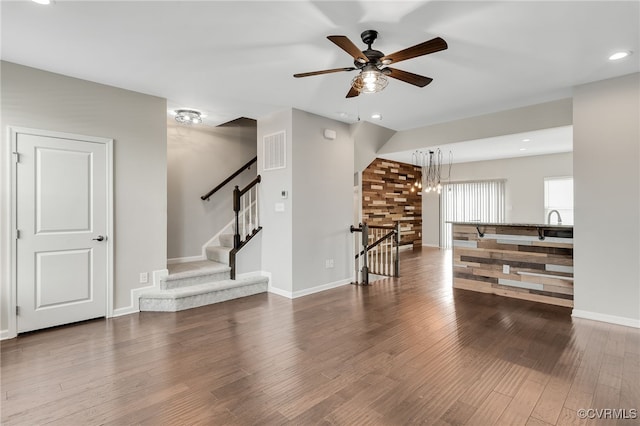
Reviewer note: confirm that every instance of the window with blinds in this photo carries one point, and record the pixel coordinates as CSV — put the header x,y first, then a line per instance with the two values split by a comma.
x,y
478,201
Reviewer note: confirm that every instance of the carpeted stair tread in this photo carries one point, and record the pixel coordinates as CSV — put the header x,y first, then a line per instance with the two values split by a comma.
x,y
175,293
195,269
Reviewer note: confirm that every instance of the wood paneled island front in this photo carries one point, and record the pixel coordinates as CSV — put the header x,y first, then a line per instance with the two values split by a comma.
x,y
525,261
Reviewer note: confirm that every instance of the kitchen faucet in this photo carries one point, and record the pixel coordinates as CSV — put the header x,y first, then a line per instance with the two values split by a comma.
x,y
549,217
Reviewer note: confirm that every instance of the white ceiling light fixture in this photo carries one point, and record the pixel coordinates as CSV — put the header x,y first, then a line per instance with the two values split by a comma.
x,y
619,55
42,1
376,116
188,116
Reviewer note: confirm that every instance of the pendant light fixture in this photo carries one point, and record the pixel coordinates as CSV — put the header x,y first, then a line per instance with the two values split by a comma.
x,y
430,163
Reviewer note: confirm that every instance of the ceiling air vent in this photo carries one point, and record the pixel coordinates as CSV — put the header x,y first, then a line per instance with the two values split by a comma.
x,y
274,151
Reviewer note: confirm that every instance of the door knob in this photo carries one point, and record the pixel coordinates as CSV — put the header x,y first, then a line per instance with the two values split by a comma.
x,y
100,238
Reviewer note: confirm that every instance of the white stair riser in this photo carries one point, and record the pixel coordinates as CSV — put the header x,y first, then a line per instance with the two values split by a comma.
x,y
218,254
226,240
194,301
199,279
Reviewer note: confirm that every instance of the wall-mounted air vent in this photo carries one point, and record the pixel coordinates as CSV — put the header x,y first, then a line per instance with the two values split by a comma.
x,y
274,151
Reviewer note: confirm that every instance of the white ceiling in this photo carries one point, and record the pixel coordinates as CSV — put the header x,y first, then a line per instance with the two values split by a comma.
x,y
236,59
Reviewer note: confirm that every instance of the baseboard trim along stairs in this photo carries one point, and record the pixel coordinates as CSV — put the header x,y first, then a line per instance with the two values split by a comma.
x,y
204,282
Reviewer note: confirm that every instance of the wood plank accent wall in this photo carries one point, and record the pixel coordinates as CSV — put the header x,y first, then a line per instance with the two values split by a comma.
x,y
387,197
539,270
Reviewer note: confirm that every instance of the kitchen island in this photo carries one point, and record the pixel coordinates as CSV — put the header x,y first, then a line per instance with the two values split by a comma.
x,y
526,261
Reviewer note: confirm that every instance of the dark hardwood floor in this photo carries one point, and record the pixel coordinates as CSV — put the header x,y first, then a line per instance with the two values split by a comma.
x,y
402,351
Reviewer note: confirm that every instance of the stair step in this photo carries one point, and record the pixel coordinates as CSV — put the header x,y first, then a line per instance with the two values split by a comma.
x,y
192,273
218,254
178,299
226,240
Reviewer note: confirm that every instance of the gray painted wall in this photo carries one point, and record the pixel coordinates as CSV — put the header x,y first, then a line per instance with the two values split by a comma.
x,y
43,100
368,138
519,120
277,232
319,206
198,159
607,197
524,189
322,199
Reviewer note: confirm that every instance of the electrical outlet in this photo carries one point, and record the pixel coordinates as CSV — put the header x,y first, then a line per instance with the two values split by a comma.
x,y
506,269
144,277
328,263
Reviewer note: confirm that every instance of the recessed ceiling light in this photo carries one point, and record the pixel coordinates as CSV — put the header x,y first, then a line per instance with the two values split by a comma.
x,y
526,140
376,116
619,55
523,149
42,1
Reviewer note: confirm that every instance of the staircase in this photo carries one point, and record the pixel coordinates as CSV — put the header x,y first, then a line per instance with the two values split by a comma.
x,y
204,282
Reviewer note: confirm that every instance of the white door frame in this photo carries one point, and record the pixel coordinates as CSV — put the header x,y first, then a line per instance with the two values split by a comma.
x,y
13,288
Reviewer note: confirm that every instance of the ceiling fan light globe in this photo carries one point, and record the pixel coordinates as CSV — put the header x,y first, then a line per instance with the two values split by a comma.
x,y
371,81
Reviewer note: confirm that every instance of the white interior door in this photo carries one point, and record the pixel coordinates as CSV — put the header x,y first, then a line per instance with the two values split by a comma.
x,y
62,208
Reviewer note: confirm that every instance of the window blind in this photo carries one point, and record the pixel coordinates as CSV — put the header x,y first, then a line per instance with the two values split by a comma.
x,y
477,201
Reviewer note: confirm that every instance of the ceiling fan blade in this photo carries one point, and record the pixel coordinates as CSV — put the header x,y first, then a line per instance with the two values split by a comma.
x,y
408,77
434,45
308,74
347,45
352,93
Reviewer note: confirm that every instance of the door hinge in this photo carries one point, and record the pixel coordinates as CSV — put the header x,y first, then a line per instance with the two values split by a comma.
x,y
17,310
17,234
17,154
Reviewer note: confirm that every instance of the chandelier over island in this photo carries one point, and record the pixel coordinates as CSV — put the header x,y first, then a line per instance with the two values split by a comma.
x,y
430,163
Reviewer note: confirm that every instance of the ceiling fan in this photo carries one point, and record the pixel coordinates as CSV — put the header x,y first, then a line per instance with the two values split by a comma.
x,y
373,64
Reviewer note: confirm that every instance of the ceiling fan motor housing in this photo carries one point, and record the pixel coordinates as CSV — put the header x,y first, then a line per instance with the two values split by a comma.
x,y
368,37
373,56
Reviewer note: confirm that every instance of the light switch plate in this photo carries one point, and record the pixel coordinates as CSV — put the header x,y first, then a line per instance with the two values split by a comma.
x,y
279,207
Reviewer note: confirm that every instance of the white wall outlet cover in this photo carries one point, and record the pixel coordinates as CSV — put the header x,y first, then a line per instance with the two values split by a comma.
x,y
505,269
279,207
144,277
330,134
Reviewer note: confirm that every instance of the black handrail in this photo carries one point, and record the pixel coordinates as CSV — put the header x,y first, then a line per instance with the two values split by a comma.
x,y
229,179
377,243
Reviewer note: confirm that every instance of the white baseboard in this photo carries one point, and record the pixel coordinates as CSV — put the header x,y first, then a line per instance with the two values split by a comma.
x,y
612,319
307,291
5,334
319,288
430,245
279,292
134,307
185,259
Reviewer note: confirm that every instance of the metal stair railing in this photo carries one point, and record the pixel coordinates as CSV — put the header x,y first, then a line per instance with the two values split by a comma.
x,y
380,253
